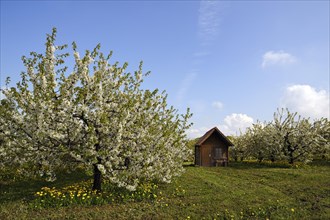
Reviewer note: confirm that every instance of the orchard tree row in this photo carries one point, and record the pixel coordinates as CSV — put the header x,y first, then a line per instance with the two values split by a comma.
x,y
288,136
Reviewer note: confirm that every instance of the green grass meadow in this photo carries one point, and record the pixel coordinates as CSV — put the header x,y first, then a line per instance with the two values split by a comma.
x,y
239,191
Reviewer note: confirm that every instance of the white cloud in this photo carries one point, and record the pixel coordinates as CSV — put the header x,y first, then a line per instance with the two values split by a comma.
x,y
210,14
236,123
232,125
272,58
307,101
217,104
209,19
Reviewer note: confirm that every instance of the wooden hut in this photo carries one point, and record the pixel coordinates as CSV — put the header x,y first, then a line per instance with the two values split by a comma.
x,y
212,149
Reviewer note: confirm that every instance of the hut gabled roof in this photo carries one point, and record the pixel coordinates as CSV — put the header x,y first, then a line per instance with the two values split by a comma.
x,y
209,133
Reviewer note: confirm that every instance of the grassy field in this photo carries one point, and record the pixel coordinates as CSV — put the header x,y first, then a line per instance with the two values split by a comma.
x,y
240,191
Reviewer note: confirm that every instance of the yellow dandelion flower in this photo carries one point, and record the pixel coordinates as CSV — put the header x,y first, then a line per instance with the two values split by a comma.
x,y
292,210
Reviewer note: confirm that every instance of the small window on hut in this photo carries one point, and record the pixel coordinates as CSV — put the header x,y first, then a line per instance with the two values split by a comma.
x,y
218,152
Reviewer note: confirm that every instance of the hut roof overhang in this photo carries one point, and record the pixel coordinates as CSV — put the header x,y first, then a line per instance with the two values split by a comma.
x,y
212,131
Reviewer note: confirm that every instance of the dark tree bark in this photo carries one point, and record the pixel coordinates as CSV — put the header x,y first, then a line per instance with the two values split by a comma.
x,y
260,157
97,174
97,179
291,160
272,158
289,149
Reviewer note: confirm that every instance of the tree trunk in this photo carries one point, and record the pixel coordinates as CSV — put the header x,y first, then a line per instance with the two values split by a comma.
x,y
289,149
97,179
97,173
272,158
260,157
291,160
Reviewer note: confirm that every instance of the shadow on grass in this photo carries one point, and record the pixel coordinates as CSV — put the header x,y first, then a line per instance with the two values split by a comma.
x,y
25,189
254,165
268,164
321,163
249,165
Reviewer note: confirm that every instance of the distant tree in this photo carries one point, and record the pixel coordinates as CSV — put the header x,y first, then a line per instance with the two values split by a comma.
x,y
257,141
191,146
274,151
263,142
289,136
322,130
232,151
298,137
240,149
97,116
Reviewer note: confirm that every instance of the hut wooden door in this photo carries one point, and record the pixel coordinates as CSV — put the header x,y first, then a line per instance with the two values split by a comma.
x,y
206,156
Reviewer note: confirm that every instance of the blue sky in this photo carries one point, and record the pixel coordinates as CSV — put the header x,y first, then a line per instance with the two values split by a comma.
x,y
231,62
